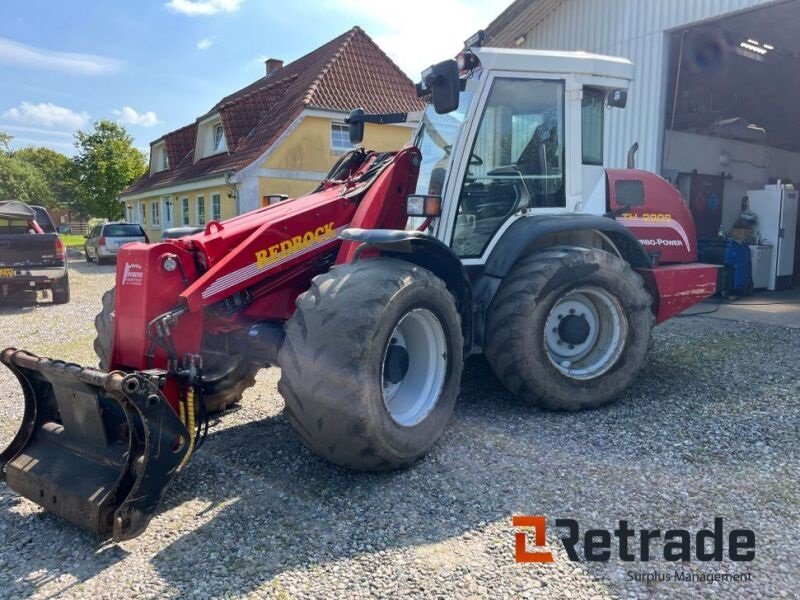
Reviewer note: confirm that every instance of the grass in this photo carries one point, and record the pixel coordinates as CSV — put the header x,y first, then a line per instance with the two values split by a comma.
x,y
72,241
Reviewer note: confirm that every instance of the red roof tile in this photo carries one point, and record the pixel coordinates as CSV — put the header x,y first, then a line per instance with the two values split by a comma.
x,y
348,72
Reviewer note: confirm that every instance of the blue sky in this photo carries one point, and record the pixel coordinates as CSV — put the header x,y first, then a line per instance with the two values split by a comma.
x,y
156,65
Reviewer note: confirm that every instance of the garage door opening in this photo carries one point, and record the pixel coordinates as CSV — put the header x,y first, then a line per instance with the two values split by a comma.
x,y
732,139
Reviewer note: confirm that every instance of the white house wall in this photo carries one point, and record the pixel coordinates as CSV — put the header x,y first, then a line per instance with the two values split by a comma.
x,y
633,29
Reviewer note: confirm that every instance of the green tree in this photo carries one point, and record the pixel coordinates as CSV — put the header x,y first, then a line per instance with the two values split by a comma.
x,y
22,181
105,164
5,140
57,170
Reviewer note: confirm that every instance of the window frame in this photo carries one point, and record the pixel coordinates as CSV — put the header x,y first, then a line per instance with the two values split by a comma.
x,y
218,144
599,92
333,129
143,213
186,215
155,212
200,202
476,118
216,214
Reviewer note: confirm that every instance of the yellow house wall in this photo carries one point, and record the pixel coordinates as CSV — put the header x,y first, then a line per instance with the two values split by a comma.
x,y
306,150
227,208
308,147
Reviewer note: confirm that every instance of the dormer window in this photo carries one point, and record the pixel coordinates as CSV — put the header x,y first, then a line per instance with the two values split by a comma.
x,y
210,138
219,138
159,161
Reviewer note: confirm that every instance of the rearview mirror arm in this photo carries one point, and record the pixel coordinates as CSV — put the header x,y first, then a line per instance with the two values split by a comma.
x,y
380,119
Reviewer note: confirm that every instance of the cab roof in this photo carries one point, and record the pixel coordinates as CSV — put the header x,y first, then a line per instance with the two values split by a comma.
x,y
555,61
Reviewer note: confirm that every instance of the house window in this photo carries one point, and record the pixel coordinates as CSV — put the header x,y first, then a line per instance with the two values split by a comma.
x,y
184,211
216,208
340,137
154,216
201,210
159,161
219,138
168,211
143,213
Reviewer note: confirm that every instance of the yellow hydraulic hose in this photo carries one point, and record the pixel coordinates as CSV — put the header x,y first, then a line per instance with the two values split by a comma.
x,y
189,421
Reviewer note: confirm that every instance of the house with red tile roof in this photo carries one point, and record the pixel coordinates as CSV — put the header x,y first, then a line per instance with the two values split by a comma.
x,y
279,135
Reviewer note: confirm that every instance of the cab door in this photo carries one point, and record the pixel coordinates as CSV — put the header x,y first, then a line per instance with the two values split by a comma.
x,y
514,162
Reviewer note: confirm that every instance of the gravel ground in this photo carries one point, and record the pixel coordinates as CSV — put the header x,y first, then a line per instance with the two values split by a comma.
x,y
710,429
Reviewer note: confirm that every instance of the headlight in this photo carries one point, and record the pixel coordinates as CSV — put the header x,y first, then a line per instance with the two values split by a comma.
x,y
424,206
170,264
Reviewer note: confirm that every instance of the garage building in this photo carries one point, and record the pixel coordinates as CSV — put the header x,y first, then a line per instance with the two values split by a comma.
x,y
714,107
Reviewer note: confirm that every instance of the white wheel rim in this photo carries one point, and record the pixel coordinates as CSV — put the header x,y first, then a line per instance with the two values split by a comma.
x,y
585,332
411,396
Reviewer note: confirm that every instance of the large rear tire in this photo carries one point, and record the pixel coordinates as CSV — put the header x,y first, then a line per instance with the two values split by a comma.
x,y
569,328
371,364
225,380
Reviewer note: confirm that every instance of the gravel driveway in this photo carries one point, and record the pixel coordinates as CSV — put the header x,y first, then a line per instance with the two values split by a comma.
x,y
710,429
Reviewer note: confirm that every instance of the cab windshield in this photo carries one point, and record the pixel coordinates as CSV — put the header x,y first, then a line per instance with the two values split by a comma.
x,y
436,139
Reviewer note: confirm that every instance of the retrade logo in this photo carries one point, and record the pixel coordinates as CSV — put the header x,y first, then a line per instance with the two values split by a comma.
x,y
629,544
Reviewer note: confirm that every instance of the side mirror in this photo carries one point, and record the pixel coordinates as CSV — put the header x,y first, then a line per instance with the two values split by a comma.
x,y
443,81
617,98
355,126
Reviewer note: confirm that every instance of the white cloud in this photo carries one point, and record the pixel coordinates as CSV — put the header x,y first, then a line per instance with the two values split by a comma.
x,y
130,116
36,130
442,25
16,54
46,114
195,8
205,43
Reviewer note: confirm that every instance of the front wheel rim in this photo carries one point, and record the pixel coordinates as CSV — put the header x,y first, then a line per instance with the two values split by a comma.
x,y
585,332
414,367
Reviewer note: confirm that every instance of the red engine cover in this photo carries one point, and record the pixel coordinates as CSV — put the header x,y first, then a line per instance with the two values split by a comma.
x,y
663,224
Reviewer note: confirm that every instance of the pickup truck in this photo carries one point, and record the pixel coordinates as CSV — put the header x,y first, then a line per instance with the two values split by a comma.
x,y
32,255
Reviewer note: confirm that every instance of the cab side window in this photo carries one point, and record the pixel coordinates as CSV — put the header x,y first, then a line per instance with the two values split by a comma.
x,y
516,161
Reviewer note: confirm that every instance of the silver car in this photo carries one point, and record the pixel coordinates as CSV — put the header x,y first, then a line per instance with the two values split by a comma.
x,y
105,240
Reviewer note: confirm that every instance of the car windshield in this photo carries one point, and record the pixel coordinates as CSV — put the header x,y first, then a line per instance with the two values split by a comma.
x,y
123,230
435,140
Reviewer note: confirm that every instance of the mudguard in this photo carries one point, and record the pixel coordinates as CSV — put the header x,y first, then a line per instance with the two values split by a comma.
x,y
97,449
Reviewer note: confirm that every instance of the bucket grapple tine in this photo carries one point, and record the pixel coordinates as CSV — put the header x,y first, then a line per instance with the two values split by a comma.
x,y
95,448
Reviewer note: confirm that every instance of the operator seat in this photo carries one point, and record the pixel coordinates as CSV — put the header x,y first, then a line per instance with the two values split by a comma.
x,y
540,159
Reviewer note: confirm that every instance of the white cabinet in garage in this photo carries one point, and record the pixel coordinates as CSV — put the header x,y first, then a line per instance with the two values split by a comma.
x,y
761,258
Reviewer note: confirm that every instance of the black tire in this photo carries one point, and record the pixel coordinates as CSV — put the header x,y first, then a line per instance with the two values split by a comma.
x,y
332,363
86,251
226,382
516,327
60,290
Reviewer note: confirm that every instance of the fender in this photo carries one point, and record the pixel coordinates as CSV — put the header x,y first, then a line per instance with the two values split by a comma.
x,y
521,237
427,252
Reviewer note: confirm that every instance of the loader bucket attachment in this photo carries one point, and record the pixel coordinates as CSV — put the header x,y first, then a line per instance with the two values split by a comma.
x,y
95,448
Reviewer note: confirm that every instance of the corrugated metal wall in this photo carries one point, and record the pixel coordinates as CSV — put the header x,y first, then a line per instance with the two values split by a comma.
x,y
636,30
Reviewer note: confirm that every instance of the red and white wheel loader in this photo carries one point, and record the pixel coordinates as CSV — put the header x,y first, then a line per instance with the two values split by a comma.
x,y
498,230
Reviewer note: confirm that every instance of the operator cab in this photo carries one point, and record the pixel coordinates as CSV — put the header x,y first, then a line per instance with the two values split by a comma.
x,y
523,136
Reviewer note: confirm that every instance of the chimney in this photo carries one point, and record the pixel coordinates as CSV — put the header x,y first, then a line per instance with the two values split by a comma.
x,y
273,64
